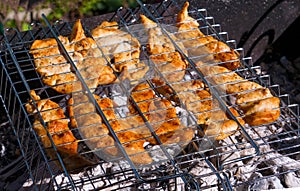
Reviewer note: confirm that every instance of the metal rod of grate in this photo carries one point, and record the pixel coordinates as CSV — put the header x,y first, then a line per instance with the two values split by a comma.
x,y
213,90
130,15
20,72
23,80
105,119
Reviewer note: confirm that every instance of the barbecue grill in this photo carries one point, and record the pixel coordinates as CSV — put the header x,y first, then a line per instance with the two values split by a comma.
x,y
254,157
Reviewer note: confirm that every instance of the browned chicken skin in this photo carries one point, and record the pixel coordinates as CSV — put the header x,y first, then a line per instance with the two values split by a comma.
x,y
217,61
122,48
163,53
161,115
57,126
58,74
253,99
56,71
198,100
200,44
85,117
56,121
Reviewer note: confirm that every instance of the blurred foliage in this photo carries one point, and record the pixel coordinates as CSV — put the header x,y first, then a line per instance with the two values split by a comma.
x,y
93,7
66,10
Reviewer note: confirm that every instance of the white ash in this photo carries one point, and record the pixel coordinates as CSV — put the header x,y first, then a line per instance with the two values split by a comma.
x,y
262,184
2,151
274,183
118,181
270,170
275,164
201,170
241,150
291,180
276,159
260,132
186,118
158,154
87,184
29,183
121,101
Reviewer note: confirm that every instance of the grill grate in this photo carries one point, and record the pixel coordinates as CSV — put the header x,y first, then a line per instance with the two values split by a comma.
x,y
203,164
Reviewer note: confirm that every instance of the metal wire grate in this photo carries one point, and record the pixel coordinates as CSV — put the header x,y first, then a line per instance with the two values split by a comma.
x,y
202,164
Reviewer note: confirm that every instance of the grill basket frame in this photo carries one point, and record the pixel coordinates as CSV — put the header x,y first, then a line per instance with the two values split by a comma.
x,y
19,77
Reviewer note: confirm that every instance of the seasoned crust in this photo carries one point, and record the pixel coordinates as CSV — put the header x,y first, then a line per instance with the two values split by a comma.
x,y
161,115
163,53
92,128
250,96
77,32
122,49
55,69
257,103
216,122
255,94
57,126
262,117
200,44
262,111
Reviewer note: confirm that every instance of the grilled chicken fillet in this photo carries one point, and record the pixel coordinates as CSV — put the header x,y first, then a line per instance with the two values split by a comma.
x,y
86,118
161,115
197,43
122,48
55,69
163,53
57,126
197,99
254,100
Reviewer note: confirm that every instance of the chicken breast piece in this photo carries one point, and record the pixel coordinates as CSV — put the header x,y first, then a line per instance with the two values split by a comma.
x,y
134,123
122,48
47,47
220,125
161,115
198,100
120,45
199,44
254,95
57,123
248,94
57,126
56,71
84,116
133,144
262,111
92,127
62,83
154,109
226,80
133,70
163,52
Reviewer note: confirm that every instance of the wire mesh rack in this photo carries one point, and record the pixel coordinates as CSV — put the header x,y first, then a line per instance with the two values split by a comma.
x,y
201,163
